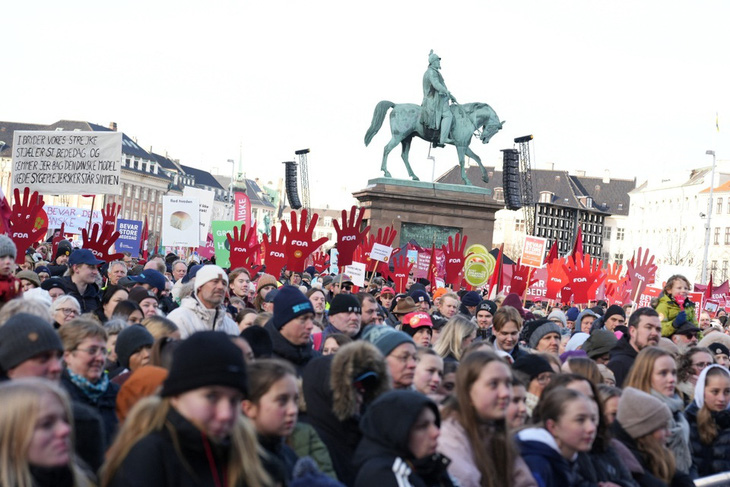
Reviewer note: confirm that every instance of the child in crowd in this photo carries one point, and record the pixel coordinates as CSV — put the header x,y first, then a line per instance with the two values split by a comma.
x,y
675,308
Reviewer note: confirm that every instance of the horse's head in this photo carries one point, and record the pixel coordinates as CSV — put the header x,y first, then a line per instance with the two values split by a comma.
x,y
490,129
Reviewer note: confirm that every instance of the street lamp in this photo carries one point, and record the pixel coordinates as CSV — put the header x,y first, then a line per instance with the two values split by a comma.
x,y
709,218
230,189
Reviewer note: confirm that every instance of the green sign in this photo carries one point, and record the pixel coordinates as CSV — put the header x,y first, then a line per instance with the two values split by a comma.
x,y
476,274
220,242
477,249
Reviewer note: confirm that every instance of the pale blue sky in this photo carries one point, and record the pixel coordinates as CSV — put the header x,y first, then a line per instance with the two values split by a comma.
x,y
630,86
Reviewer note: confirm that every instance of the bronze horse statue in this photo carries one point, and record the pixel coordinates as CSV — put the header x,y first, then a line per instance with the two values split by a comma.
x,y
405,124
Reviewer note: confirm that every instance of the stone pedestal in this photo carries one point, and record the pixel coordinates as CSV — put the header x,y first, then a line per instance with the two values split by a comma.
x,y
429,211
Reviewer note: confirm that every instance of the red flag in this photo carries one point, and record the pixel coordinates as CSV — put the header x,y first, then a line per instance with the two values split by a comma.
x,y
553,253
708,292
432,267
495,282
143,240
578,246
5,212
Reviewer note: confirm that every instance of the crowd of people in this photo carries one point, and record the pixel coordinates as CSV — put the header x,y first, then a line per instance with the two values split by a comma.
x,y
182,373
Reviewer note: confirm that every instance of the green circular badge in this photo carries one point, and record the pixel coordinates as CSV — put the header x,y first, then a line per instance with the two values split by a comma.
x,y
477,273
477,249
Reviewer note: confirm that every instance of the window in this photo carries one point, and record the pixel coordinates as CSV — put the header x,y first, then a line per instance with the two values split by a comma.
x,y
719,205
129,191
136,194
713,268
519,225
607,233
620,233
327,221
727,235
499,194
717,236
619,258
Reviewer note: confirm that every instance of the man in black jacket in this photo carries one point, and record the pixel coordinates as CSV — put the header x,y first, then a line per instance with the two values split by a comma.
x,y
645,329
81,284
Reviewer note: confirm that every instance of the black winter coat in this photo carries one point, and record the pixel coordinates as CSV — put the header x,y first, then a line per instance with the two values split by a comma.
x,y
154,460
622,358
298,355
714,458
605,466
90,301
106,404
281,460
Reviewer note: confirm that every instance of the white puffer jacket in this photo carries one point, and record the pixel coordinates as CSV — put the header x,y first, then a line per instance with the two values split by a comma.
x,y
192,316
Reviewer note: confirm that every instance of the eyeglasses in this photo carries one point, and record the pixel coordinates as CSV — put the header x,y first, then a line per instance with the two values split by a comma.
x,y
94,351
68,311
702,365
404,358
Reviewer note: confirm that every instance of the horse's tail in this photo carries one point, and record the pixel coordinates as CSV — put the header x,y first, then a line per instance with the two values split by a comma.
x,y
380,110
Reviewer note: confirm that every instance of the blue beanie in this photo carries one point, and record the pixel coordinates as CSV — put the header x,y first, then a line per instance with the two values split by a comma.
x,y
472,298
420,295
572,314
290,303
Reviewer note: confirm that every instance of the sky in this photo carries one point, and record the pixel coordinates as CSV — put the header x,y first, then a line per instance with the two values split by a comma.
x,y
625,86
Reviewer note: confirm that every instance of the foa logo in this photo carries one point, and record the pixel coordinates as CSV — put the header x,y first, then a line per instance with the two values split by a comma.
x,y
299,243
400,275
277,254
239,249
580,279
20,235
348,238
454,261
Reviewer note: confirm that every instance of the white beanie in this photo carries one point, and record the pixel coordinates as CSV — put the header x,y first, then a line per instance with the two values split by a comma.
x,y
208,273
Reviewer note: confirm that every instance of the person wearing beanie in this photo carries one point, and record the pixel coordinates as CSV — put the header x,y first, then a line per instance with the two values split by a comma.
x,y
345,316
142,383
133,347
10,286
542,335
147,300
570,316
537,373
399,351
291,326
418,325
422,300
204,310
598,346
558,317
484,317
28,280
721,353
469,302
614,316
259,340
641,424
266,283
191,434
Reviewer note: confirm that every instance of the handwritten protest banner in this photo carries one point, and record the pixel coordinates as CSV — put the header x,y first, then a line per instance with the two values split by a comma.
x,y
67,162
205,198
74,218
130,232
180,221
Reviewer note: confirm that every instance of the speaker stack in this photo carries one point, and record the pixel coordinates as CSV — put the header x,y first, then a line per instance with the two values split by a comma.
x,y
511,179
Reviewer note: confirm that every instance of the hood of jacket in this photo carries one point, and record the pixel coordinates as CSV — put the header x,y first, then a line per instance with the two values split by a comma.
x,y
386,426
296,354
351,362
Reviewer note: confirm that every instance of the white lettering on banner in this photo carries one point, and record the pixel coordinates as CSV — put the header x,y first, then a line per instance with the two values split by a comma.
x,y
20,235
580,279
640,277
299,243
277,254
239,249
454,261
348,238
400,275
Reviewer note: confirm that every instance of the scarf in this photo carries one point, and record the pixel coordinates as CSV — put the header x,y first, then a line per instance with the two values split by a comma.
x,y
92,391
678,441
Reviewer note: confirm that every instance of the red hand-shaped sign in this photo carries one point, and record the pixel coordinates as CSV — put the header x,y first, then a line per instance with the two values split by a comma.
x,y
26,226
275,255
556,278
299,241
100,242
520,275
454,265
401,270
110,214
641,272
349,234
320,261
614,281
585,275
243,247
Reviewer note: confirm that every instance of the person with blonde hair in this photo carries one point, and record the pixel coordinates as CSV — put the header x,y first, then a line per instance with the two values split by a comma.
x,y
455,337
36,437
193,433
655,372
161,327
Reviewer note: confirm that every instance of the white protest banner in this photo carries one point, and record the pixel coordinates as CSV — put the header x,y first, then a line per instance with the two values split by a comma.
x,y
333,262
67,162
356,271
180,222
74,218
381,252
205,198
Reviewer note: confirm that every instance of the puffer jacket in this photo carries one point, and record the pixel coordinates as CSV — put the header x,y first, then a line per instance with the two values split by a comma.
x,y
713,458
192,316
668,309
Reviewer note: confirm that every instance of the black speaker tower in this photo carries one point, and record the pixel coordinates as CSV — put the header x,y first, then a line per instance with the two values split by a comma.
x,y
511,179
292,191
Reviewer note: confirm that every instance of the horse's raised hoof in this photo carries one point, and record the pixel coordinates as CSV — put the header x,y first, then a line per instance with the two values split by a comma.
x,y
386,174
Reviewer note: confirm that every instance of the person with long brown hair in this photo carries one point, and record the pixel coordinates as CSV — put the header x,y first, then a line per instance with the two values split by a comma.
x,y
474,431
655,372
709,422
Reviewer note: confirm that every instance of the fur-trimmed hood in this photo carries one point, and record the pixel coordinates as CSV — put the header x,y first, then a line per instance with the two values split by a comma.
x,y
352,361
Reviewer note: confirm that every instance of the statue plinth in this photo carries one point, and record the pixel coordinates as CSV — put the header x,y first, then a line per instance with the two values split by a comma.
x,y
429,211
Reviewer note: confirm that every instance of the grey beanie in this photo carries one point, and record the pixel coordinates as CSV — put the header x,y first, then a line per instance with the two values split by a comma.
x,y
385,338
130,340
544,327
556,313
7,247
640,413
23,337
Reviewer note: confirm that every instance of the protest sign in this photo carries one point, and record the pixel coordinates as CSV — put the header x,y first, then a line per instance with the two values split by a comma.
x,y
207,251
243,208
130,233
333,262
74,218
356,271
67,162
647,295
381,252
220,242
205,199
533,251
180,221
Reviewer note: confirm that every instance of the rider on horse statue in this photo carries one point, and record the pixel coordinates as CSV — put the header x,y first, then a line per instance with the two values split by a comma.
x,y
436,115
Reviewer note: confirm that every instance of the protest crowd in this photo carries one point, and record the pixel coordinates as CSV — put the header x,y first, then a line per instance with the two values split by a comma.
x,y
167,371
